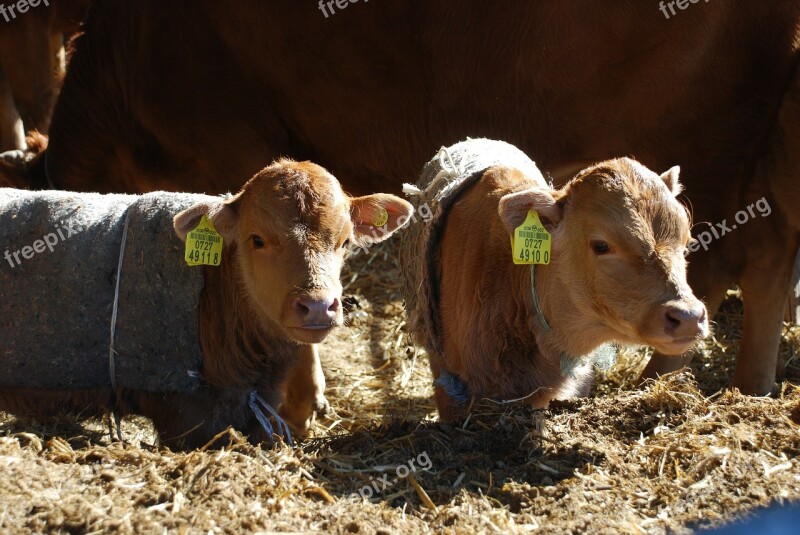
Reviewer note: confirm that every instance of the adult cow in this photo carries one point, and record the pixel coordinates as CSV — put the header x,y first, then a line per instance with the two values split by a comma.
x,y
160,95
32,63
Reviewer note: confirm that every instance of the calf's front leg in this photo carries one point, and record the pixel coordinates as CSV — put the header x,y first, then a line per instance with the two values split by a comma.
x,y
304,390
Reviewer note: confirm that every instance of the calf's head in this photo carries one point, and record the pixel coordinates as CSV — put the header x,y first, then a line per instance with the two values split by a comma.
x,y
287,229
618,253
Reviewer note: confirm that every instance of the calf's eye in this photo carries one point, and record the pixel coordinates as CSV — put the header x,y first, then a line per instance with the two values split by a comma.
x,y
600,247
258,242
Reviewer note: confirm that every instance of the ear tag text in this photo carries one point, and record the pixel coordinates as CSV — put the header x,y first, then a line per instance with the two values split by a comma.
x,y
381,218
203,244
530,242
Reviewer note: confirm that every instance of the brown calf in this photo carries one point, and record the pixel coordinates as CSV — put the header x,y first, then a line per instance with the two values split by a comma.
x,y
617,273
275,292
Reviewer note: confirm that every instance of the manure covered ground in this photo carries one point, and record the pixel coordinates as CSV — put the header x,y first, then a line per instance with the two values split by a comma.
x,y
679,455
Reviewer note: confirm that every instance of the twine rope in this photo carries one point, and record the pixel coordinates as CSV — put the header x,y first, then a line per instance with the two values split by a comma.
x,y
254,400
536,304
449,171
112,366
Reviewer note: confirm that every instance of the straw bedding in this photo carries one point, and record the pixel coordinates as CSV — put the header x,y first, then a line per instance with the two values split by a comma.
x,y
56,304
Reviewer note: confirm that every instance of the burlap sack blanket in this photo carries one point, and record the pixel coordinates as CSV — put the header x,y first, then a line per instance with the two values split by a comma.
x,y
58,272
443,179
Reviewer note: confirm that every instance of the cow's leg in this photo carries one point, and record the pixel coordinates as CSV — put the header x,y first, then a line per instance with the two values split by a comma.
x,y
794,296
765,288
31,56
12,132
304,390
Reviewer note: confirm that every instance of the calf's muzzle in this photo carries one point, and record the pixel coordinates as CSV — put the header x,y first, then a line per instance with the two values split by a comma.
x,y
683,322
317,313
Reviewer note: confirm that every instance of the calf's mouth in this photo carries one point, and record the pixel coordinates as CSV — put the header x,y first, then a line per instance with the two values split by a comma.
x,y
675,346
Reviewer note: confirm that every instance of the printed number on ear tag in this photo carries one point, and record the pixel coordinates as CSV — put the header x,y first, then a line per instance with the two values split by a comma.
x,y
381,218
530,243
203,245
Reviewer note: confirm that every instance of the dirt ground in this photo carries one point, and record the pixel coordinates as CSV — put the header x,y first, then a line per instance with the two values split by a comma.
x,y
680,455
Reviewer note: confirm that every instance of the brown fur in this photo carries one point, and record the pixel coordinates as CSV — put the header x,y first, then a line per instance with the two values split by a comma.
x,y
702,89
239,64
493,338
32,60
252,332
761,258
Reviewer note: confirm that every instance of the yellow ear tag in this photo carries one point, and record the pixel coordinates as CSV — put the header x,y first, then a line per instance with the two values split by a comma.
x,y
203,245
381,218
530,243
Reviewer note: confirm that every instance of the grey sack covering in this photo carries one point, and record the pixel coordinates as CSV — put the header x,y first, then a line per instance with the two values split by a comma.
x,y
57,303
442,180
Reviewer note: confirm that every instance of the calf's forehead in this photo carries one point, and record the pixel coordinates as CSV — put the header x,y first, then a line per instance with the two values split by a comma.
x,y
302,195
633,204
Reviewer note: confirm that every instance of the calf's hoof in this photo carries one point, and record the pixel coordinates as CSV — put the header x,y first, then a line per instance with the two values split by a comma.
x,y
301,416
759,389
321,406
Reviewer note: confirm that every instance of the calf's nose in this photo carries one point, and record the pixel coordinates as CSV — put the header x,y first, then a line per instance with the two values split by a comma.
x,y
317,312
685,321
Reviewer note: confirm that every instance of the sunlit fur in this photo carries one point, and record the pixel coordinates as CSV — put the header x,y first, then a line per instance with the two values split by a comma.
x,y
492,337
303,217
250,331
619,295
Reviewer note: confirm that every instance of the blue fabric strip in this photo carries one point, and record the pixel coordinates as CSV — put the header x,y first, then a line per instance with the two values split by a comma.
x,y
254,401
454,387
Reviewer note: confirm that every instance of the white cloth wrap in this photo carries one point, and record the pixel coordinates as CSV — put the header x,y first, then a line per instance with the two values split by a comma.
x,y
443,179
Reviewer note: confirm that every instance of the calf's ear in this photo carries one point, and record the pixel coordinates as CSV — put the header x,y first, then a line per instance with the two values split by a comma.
x,y
514,207
376,217
670,178
223,214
